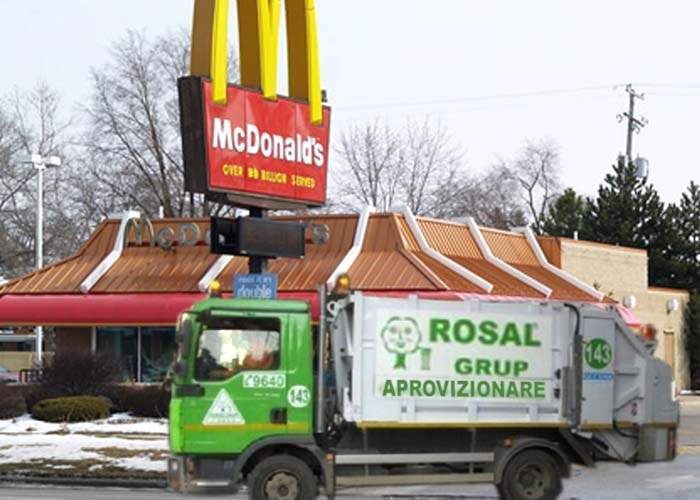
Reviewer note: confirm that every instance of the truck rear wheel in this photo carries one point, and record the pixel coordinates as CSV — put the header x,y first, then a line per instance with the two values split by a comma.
x,y
531,475
282,477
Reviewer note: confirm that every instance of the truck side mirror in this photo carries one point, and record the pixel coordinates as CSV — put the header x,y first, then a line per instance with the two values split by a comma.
x,y
184,335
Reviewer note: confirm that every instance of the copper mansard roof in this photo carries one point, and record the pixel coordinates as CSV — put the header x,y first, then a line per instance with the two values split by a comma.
x,y
387,252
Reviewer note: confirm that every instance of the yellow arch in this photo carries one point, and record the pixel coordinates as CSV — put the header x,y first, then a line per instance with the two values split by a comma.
x,y
258,34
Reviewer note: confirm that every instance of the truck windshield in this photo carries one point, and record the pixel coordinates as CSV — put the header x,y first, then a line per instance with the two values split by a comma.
x,y
234,345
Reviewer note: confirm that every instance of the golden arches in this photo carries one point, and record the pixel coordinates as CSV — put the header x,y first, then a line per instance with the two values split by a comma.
x,y
258,33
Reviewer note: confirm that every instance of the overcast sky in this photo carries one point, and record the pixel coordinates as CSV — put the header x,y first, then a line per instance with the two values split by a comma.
x,y
563,65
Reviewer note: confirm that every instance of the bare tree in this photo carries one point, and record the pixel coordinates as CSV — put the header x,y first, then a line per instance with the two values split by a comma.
x,y
31,122
536,170
491,198
132,144
369,166
384,167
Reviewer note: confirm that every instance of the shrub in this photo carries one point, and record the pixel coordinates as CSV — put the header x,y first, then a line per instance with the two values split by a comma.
x,y
140,400
79,372
11,402
71,409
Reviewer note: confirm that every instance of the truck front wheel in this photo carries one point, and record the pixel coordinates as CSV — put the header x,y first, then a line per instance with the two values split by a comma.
x,y
282,477
531,475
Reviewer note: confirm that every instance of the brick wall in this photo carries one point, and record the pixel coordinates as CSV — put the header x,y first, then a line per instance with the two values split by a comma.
x,y
615,271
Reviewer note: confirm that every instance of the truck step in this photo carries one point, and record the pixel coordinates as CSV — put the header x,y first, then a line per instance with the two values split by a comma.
x,y
409,479
412,458
211,483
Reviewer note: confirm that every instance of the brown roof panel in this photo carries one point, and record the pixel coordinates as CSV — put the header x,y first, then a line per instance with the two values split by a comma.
x,y
391,259
450,278
65,276
387,261
514,249
390,271
503,283
561,289
551,247
456,242
148,268
510,247
450,238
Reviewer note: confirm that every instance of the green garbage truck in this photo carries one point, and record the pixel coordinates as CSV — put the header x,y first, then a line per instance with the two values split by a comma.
x,y
406,390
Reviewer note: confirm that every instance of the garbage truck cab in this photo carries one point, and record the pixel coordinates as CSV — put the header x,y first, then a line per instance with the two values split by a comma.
x,y
242,389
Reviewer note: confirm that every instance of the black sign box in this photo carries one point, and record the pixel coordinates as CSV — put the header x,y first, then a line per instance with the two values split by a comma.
x,y
257,237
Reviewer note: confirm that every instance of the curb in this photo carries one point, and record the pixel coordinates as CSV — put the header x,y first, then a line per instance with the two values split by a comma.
x,y
84,481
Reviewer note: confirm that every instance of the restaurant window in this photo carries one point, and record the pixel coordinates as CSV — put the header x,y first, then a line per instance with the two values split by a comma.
x,y
241,345
122,343
145,352
157,352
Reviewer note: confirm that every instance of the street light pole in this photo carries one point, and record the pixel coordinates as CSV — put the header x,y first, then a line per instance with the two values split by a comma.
x,y
39,238
40,164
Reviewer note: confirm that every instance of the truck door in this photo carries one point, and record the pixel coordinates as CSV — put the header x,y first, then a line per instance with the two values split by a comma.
x,y
598,372
238,383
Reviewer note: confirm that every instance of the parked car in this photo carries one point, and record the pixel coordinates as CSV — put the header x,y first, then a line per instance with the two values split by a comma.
x,y
8,377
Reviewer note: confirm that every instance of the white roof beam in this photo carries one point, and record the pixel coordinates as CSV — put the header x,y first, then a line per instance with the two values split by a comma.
x,y
350,257
570,278
213,272
500,264
442,259
107,263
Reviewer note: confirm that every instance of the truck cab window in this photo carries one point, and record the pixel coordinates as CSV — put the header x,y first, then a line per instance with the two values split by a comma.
x,y
239,344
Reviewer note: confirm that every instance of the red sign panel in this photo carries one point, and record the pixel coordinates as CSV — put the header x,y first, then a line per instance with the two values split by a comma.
x,y
263,150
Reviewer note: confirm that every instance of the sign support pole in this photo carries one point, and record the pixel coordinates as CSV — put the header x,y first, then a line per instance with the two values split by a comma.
x,y
257,265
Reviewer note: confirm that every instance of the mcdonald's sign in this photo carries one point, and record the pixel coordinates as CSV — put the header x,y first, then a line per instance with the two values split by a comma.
x,y
245,144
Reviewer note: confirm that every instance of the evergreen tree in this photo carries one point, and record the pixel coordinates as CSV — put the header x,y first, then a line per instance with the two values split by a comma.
x,y
629,212
687,226
565,215
668,265
692,337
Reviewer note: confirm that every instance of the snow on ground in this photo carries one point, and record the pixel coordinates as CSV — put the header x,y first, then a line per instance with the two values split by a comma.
x,y
120,444
119,422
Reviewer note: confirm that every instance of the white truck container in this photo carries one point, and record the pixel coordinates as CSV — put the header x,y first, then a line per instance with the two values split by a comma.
x,y
412,363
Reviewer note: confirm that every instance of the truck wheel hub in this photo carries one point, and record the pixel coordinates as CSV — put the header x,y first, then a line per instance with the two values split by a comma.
x,y
281,486
531,481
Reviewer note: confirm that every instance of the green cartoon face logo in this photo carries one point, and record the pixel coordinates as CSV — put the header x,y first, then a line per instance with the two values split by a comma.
x,y
401,336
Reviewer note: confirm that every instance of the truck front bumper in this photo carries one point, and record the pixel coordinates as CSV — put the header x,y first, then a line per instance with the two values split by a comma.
x,y
187,472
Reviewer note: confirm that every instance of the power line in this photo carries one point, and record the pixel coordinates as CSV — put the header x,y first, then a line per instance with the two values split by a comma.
x,y
521,95
458,100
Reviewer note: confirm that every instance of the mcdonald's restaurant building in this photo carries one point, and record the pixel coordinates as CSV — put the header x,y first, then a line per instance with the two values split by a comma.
x,y
123,290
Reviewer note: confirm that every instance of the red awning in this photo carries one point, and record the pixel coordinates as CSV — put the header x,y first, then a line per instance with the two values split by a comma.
x,y
164,308
109,309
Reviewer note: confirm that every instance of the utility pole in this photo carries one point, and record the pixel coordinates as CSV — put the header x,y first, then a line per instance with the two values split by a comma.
x,y
633,124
